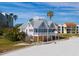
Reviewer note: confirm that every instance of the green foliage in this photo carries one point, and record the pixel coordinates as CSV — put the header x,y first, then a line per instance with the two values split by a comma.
x,y
7,45
14,35
17,25
74,29
1,32
65,36
21,36
50,14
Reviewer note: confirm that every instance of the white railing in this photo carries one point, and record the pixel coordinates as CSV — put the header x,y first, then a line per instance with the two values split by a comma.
x,y
45,34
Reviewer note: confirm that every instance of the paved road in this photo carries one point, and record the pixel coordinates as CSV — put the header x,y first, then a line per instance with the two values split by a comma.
x,y
65,47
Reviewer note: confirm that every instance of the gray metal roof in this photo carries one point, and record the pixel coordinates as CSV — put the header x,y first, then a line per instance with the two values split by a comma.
x,y
37,22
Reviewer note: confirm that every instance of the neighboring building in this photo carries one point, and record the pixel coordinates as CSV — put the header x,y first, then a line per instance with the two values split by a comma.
x,y
4,21
68,28
40,29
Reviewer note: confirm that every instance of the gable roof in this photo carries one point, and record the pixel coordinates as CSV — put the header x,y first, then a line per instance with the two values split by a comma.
x,y
49,23
70,24
36,23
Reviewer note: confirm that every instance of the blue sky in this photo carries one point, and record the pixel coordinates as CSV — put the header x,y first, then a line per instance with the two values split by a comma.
x,y
63,12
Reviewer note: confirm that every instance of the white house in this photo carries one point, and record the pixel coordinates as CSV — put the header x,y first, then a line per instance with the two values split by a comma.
x,y
40,29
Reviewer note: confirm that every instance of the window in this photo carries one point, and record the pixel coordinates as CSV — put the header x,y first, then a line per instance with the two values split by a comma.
x,y
40,30
59,27
35,30
62,29
69,30
51,30
45,30
30,29
77,27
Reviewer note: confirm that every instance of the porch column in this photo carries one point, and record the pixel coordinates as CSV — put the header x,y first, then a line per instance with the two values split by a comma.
x,y
47,35
33,38
51,38
71,30
37,38
55,37
46,39
58,37
43,38
76,30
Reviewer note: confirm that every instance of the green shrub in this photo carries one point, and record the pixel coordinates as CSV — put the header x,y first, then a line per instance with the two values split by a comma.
x,y
14,35
21,36
65,36
1,32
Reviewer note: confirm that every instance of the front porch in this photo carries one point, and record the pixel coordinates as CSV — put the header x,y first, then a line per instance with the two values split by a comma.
x,y
44,38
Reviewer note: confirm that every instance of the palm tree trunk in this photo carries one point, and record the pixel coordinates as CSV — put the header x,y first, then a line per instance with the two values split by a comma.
x,y
50,17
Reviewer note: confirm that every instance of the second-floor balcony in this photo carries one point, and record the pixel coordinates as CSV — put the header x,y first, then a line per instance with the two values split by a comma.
x,y
44,32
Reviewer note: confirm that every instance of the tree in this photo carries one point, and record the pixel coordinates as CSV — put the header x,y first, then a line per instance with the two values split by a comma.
x,y
50,14
17,25
13,34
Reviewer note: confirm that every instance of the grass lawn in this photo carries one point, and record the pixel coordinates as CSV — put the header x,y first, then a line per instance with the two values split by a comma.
x,y
6,45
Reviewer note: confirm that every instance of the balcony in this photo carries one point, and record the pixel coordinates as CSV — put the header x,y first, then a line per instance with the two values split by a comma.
x,y
45,33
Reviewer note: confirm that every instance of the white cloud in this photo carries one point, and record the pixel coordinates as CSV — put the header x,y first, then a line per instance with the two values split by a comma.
x,y
64,13
38,17
64,5
28,15
27,5
72,4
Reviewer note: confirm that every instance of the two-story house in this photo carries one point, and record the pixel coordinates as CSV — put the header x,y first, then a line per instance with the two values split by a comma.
x,y
40,29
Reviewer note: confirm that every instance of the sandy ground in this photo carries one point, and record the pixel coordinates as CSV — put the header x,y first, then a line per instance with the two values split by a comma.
x,y
61,48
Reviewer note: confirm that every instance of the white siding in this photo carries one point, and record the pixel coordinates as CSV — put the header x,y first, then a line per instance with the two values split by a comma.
x,y
28,30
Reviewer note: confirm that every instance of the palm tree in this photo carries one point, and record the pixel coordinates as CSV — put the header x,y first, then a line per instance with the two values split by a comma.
x,y
50,14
